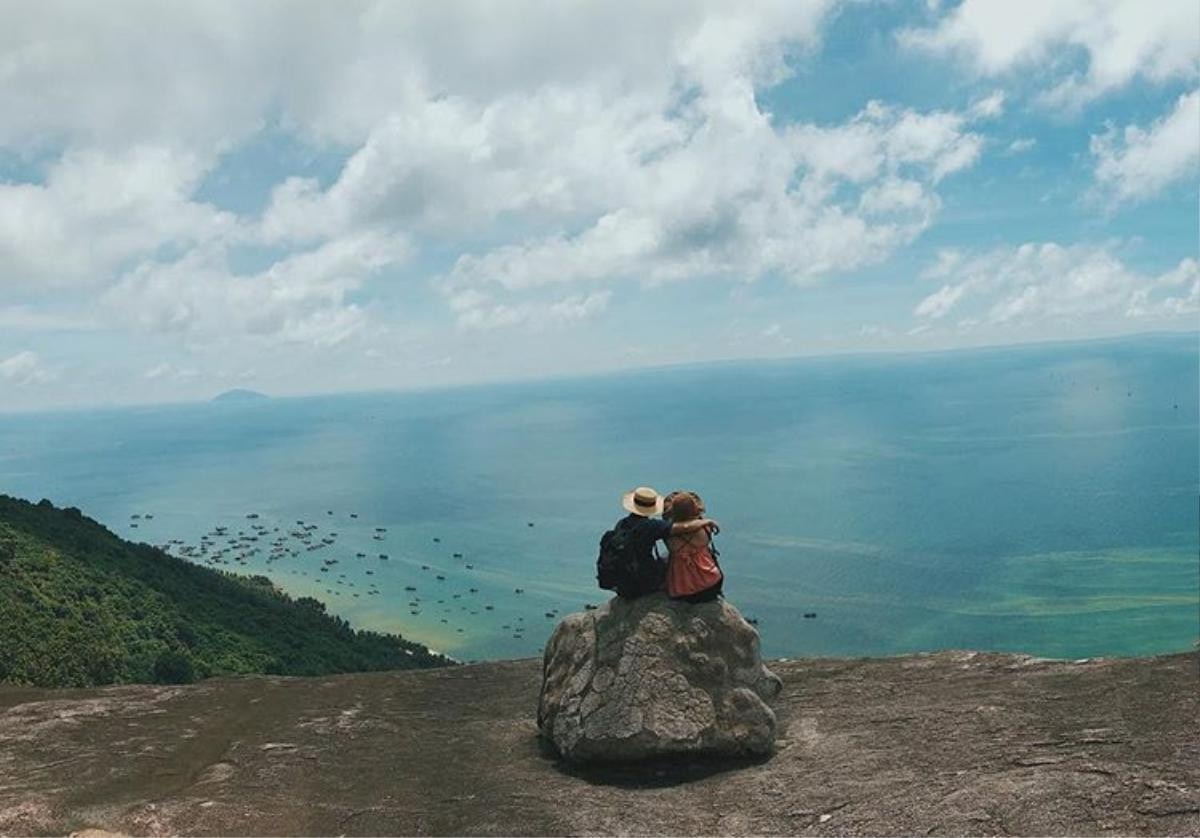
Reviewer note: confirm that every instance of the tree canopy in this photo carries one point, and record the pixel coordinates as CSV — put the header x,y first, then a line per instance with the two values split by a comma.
x,y
81,607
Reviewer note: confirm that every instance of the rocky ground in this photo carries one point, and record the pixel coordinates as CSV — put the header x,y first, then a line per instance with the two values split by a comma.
x,y
947,744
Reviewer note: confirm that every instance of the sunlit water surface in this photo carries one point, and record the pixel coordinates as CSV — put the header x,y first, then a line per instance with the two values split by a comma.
x,y
1038,499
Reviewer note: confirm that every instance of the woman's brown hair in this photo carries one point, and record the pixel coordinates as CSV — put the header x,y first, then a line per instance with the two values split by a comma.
x,y
682,506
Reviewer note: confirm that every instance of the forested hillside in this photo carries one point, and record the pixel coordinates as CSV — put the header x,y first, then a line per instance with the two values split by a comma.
x,y
81,607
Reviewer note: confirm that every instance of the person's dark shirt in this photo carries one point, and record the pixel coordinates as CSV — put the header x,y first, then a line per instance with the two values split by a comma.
x,y
645,532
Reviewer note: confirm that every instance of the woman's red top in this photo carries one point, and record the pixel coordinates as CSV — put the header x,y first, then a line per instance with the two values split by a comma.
x,y
690,564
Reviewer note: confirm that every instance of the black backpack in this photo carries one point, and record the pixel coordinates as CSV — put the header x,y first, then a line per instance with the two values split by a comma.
x,y
621,568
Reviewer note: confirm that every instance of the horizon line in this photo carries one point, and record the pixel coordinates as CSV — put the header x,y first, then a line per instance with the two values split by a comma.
x,y
1194,332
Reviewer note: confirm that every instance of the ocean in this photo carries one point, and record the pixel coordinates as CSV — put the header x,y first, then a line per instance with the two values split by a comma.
x,y
1038,499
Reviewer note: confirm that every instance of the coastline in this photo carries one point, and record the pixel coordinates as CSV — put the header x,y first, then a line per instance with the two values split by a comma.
x,y
1070,534
391,622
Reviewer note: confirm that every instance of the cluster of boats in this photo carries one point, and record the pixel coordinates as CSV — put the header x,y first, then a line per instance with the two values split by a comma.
x,y
256,543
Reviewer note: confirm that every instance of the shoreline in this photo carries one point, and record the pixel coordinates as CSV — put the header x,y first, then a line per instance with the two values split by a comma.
x,y
440,641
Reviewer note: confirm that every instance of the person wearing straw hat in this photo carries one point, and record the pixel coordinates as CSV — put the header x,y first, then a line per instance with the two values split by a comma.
x,y
630,545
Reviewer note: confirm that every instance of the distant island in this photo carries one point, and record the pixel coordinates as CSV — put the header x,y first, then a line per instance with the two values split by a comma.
x,y
81,607
240,395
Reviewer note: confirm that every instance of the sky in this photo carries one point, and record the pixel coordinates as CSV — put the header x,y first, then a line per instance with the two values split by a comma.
x,y
312,197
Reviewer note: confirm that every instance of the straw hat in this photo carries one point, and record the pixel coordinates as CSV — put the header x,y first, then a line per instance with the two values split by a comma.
x,y
643,501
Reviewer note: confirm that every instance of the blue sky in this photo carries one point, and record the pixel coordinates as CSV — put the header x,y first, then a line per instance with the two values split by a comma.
x,y
318,197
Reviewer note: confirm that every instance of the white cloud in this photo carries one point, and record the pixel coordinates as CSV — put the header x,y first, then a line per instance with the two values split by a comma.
x,y
939,303
541,138
477,310
581,147
884,138
1021,145
1055,283
170,372
573,151
989,107
24,368
1173,294
673,174
300,299
97,210
452,164
24,318
725,194
336,71
1140,162
1122,40
948,258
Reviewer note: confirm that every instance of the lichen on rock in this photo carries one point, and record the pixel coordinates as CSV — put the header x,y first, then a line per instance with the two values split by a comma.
x,y
654,677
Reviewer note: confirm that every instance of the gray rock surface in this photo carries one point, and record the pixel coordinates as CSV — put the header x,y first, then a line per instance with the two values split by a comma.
x,y
949,744
654,677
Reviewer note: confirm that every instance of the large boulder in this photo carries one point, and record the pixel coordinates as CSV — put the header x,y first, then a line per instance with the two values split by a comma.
x,y
655,677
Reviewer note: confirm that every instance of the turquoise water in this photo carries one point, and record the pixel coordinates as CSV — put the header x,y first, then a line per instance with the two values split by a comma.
x,y
1034,499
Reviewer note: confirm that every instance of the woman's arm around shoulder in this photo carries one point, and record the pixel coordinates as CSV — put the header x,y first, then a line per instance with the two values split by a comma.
x,y
681,527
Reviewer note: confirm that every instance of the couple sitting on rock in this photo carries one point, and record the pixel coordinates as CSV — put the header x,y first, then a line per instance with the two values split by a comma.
x,y
629,562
